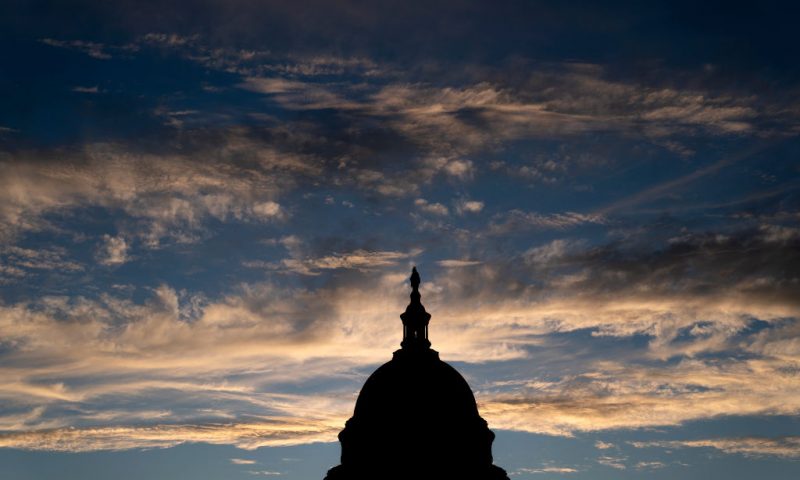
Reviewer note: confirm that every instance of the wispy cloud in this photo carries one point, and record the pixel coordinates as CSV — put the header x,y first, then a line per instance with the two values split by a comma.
x,y
93,49
670,186
653,465
455,263
558,470
248,436
294,94
464,206
434,208
80,89
114,251
356,260
171,194
783,447
613,462
518,220
614,397
18,262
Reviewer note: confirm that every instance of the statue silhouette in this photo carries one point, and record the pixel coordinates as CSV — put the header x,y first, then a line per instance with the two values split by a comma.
x,y
416,417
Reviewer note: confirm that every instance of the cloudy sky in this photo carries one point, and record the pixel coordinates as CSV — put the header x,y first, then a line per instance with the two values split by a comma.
x,y
208,215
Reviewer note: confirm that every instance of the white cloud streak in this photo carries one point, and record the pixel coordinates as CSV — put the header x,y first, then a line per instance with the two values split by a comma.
x,y
781,447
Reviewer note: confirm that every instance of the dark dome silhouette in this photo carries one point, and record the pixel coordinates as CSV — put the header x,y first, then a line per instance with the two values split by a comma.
x,y
416,417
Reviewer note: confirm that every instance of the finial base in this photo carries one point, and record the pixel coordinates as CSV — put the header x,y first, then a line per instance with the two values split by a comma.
x,y
416,344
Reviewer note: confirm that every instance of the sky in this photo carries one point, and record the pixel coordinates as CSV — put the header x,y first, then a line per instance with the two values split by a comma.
x,y
209,212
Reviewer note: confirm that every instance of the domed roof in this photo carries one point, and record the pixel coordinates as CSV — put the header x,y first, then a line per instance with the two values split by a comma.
x,y
417,383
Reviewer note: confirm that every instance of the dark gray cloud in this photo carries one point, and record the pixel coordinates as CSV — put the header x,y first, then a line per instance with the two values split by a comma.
x,y
680,32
